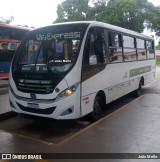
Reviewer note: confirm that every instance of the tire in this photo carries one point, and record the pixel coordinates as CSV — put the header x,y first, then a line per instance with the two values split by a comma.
x,y
97,109
138,91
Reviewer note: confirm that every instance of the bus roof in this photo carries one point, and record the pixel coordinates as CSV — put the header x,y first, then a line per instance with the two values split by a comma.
x,y
100,24
15,27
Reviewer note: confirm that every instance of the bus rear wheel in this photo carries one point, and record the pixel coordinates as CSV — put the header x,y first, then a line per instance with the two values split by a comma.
x,y
97,109
138,91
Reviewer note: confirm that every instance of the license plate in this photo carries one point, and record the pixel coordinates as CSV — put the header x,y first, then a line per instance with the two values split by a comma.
x,y
33,105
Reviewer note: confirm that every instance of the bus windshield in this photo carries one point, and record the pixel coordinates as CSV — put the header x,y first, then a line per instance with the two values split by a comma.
x,y
55,51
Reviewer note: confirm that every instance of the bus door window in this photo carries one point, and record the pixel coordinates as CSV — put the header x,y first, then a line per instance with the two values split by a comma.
x,y
99,47
95,48
94,56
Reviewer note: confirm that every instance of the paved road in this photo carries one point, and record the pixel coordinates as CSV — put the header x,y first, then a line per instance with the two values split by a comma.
x,y
4,104
153,87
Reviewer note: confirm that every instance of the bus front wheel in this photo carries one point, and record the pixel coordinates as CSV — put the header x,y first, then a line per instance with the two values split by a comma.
x,y
97,109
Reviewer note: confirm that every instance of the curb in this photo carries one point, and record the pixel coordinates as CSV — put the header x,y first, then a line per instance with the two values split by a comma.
x,y
7,115
4,90
4,85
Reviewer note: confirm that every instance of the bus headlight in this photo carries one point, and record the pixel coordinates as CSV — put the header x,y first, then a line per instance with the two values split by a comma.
x,y
67,92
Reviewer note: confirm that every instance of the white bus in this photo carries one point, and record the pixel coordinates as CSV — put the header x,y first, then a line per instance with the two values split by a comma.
x,y
69,70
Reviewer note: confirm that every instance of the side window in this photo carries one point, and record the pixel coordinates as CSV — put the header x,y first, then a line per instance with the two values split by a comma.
x,y
150,49
129,49
95,48
6,55
115,47
128,42
141,49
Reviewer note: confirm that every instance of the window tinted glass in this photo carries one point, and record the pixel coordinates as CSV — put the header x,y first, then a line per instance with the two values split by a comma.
x,y
55,50
130,54
128,42
115,54
94,56
115,47
114,39
150,44
150,49
140,43
12,33
95,48
141,54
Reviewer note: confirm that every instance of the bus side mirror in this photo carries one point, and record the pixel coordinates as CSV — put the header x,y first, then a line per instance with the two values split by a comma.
x,y
92,60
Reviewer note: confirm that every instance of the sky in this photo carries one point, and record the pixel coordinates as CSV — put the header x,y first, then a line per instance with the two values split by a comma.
x,y
37,13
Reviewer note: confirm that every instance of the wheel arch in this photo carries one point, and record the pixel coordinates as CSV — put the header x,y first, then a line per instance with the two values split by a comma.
x,y
102,95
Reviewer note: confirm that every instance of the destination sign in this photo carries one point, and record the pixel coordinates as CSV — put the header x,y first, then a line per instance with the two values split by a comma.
x,y
50,36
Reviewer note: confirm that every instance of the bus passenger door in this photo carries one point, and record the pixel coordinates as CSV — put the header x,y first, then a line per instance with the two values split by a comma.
x,y
94,63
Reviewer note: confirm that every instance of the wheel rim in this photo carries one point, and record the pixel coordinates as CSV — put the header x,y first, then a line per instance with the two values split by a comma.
x,y
139,89
97,109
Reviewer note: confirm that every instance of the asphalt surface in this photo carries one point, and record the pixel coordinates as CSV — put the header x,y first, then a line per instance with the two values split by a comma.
x,y
3,86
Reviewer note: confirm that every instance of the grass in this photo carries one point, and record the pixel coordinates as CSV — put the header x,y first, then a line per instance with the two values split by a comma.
x,y
158,60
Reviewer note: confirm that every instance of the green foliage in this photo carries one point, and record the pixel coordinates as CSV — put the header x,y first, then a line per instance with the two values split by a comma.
x,y
127,15
80,10
155,23
99,10
158,60
6,21
158,45
131,14
73,10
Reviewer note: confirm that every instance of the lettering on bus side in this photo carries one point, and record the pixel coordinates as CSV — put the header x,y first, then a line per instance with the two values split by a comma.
x,y
138,71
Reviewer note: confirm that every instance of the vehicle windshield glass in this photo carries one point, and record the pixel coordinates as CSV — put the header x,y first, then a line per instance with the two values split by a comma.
x,y
55,51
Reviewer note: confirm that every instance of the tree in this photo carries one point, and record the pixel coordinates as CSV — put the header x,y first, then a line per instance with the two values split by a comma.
x,y
130,14
73,10
155,22
79,10
158,45
6,21
99,10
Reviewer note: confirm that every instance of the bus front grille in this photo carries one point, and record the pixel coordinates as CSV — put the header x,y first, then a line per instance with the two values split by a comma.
x,y
36,86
